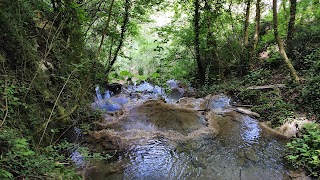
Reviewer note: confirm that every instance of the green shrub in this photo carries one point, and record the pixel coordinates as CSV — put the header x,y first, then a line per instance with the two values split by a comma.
x,y
310,96
228,87
19,160
258,77
304,151
269,105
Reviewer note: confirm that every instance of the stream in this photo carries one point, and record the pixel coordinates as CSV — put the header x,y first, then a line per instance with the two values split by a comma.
x,y
157,136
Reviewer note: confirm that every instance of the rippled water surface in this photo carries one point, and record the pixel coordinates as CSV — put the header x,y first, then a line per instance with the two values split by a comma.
x,y
239,151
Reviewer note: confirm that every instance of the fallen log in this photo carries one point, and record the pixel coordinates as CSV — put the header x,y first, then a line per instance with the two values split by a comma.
x,y
273,86
242,105
247,112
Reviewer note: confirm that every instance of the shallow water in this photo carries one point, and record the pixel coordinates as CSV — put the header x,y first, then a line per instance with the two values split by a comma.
x,y
240,150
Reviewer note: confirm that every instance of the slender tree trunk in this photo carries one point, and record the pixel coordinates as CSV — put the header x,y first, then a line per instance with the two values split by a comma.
x,y
196,40
88,77
245,56
122,35
230,14
283,5
290,33
211,49
293,72
54,5
256,34
110,49
104,32
246,25
87,81
59,4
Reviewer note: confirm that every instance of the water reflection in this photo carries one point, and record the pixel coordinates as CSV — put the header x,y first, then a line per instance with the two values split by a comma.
x,y
154,160
203,158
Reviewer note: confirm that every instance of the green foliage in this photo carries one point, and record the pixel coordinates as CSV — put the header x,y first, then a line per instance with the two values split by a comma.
x,y
310,93
310,96
140,71
257,77
229,87
125,74
304,151
19,160
269,105
10,93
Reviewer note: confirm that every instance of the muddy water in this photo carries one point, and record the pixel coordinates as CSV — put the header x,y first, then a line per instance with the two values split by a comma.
x,y
175,141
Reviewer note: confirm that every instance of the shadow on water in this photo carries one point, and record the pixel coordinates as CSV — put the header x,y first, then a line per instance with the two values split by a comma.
x,y
240,150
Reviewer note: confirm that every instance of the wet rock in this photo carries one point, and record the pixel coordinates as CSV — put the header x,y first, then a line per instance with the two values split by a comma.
x,y
108,145
122,100
217,101
233,115
198,104
111,106
227,174
292,128
154,118
299,174
265,128
115,88
176,93
213,122
99,171
259,174
144,87
251,155
287,130
166,117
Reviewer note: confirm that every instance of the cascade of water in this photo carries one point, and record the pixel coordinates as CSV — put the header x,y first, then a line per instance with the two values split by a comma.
x,y
107,94
98,94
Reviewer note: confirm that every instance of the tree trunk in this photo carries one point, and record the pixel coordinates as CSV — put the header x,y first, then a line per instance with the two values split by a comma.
x,y
211,49
87,81
290,33
54,6
123,31
245,57
283,5
293,72
256,34
246,25
196,40
104,32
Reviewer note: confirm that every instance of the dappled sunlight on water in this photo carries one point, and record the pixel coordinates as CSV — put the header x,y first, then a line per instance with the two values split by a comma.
x,y
179,141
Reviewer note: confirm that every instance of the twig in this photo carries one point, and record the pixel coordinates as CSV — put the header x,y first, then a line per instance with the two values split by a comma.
x,y
7,109
47,51
55,104
63,133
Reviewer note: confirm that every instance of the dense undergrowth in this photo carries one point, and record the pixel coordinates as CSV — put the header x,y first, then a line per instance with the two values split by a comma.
x,y
42,76
304,151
